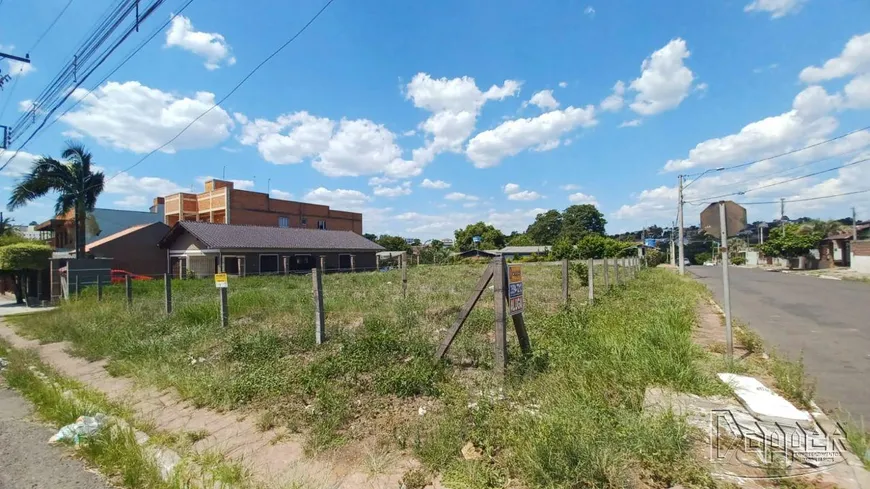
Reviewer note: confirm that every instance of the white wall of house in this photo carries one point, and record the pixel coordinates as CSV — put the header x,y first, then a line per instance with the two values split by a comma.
x,y
860,263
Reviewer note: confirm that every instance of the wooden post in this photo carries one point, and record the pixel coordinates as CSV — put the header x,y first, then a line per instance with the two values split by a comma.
x,y
323,263
482,283
591,268
286,260
418,259
128,284
225,309
565,269
377,261
606,276
616,272
500,315
404,257
99,287
352,263
167,292
78,290
319,316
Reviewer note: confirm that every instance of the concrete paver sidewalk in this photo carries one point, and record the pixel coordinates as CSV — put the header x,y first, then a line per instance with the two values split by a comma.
x,y
272,461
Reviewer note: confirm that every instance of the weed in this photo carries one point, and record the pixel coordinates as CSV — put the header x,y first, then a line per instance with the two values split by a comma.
x,y
267,420
749,339
791,379
416,479
857,436
195,436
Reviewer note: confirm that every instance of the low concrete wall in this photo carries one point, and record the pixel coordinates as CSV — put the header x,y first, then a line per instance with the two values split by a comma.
x,y
860,263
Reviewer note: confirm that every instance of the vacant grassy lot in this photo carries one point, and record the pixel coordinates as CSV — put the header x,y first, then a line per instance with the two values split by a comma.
x,y
570,416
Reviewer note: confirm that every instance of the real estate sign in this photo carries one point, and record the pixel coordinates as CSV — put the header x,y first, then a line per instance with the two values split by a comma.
x,y
515,290
220,281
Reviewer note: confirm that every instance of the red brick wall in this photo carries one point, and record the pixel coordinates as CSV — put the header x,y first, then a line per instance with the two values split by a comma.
x,y
861,248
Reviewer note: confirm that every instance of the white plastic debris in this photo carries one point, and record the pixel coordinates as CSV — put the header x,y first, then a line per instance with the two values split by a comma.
x,y
3,363
763,403
84,427
422,411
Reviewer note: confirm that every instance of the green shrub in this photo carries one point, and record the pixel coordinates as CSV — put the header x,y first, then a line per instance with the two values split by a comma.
x,y
738,259
702,258
581,270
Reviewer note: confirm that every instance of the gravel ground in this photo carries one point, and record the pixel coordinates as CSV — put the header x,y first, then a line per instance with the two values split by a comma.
x,y
27,461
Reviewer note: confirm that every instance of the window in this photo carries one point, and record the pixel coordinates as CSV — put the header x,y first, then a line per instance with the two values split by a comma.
x,y
283,222
321,224
268,263
304,221
344,262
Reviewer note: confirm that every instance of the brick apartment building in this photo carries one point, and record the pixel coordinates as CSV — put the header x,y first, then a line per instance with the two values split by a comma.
x,y
221,203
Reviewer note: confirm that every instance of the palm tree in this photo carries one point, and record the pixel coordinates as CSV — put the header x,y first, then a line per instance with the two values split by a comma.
x,y
76,185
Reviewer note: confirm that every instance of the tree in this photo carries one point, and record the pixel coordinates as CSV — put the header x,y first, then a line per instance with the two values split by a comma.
x,y
790,243
580,220
598,246
371,237
76,185
546,228
519,239
490,237
19,260
825,228
6,226
393,243
563,249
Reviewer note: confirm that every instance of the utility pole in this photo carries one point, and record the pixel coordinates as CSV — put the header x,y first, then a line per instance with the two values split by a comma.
x,y
854,226
6,78
682,256
782,214
726,286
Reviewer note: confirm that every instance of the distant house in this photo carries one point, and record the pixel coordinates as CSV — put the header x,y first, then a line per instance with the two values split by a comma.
x,y
204,248
98,224
476,254
134,249
836,249
511,252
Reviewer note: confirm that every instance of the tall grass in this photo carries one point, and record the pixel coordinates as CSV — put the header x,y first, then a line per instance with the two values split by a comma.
x,y
569,416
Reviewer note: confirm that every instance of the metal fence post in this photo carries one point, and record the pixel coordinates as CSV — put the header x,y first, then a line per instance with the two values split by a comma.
x,y
99,287
565,269
225,308
404,258
352,263
319,319
591,268
167,286
78,289
128,284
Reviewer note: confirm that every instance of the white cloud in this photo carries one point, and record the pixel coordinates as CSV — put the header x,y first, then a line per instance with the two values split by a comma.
x,y
665,81
19,68
544,100
614,101
347,148
397,191
340,199
209,45
589,11
25,105
374,181
441,225
702,88
138,192
72,134
488,148
857,92
570,186
549,145
855,59
435,184
135,117
563,84
280,194
455,104
18,166
631,123
409,133
511,188
459,196
581,198
776,8
237,184
806,122
524,195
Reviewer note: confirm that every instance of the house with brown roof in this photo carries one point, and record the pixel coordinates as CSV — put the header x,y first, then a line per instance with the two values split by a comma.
x,y
202,249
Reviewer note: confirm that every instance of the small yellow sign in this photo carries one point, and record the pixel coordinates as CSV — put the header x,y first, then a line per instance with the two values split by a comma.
x,y
220,280
515,274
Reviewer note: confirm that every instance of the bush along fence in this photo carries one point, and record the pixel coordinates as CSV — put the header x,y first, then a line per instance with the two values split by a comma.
x,y
506,281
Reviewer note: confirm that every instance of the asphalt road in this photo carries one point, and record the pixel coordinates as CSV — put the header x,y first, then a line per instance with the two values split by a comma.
x,y
27,461
827,320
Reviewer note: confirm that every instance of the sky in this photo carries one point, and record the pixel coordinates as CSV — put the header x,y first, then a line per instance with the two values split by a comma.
x,y
427,116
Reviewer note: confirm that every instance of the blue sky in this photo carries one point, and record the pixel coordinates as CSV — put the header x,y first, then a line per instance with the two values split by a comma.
x,y
426,116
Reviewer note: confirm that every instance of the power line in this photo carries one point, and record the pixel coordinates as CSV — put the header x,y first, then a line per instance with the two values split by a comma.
x,y
50,26
231,92
807,199
127,58
781,182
